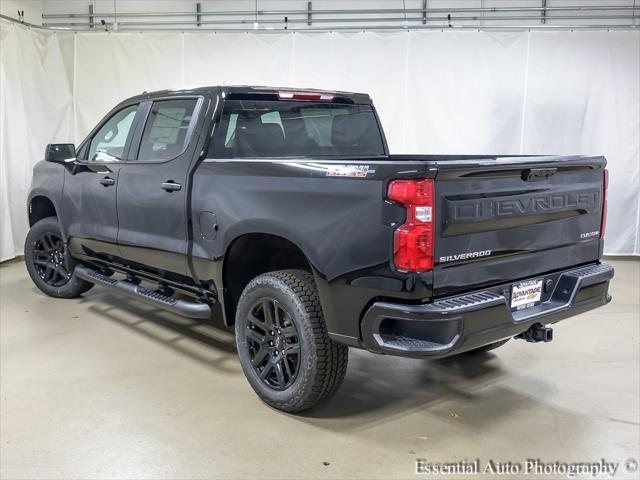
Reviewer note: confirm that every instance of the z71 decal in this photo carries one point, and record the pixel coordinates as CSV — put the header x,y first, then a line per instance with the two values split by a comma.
x,y
356,171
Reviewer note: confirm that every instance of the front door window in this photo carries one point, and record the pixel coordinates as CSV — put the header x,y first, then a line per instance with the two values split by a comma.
x,y
109,143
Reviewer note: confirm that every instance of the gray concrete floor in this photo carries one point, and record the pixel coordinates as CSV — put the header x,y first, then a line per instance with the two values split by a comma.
x,y
105,387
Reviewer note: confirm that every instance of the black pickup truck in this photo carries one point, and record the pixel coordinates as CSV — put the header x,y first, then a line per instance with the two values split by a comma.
x,y
284,210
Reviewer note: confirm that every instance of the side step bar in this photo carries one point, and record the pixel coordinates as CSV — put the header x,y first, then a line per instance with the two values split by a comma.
x,y
191,309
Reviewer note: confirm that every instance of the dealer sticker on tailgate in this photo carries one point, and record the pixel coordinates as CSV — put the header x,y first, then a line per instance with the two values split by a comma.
x,y
526,294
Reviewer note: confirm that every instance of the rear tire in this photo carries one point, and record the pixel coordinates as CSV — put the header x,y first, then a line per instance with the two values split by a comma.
x,y
283,345
48,261
488,347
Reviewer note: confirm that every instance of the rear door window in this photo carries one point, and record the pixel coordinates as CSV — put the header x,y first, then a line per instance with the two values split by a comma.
x,y
165,134
253,129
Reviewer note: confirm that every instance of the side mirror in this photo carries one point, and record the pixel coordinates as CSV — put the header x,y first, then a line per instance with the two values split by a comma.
x,y
60,153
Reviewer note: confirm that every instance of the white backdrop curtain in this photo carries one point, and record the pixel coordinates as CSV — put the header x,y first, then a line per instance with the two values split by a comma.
x,y
436,92
36,107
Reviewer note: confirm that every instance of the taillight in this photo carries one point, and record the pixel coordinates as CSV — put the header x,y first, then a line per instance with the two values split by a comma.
x,y
413,241
305,95
605,186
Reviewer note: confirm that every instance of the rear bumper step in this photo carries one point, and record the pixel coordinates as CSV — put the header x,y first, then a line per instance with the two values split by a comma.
x,y
191,309
465,322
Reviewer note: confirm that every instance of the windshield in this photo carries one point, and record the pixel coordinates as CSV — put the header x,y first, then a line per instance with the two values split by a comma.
x,y
250,129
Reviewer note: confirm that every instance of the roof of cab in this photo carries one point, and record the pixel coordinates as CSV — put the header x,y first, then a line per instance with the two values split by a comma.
x,y
253,92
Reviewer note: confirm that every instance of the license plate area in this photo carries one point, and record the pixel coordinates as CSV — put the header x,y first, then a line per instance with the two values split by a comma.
x,y
526,294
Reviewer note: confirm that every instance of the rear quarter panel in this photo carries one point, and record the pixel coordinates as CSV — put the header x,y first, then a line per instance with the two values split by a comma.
x,y
342,224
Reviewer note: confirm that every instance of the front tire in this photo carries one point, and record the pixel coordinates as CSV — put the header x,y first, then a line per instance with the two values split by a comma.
x,y
283,345
48,262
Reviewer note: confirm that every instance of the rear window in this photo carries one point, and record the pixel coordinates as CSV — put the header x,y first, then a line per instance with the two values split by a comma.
x,y
251,128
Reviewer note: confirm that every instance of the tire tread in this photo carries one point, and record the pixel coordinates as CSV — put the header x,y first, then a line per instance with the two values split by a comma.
x,y
331,358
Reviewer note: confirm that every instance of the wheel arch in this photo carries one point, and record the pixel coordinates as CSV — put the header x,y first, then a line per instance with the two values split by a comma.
x,y
252,254
41,206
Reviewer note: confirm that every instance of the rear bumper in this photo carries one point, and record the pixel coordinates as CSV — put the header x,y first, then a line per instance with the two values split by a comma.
x,y
460,323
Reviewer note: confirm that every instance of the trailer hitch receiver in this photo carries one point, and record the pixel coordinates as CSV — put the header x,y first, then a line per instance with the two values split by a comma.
x,y
537,333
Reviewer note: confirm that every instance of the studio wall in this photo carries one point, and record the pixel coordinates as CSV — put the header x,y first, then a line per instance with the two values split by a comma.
x,y
36,108
436,92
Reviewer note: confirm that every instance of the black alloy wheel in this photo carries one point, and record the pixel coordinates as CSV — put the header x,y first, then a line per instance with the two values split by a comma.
x,y
49,259
283,345
273,343
49,263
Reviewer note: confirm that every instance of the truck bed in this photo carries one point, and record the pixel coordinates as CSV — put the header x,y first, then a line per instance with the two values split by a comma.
x,y
344,224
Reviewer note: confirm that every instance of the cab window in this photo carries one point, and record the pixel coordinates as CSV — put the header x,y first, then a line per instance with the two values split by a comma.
x,y
256,128
166,131
108,144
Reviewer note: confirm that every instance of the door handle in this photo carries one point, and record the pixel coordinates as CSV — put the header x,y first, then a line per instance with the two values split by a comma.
x,y
171,186
107,181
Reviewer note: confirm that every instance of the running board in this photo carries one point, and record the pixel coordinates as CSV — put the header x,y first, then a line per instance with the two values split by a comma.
x,y
193,309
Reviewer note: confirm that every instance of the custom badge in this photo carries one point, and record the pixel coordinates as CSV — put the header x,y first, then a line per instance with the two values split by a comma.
x,y
356,171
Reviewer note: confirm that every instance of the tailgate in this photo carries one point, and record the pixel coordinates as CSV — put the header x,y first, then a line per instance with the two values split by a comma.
x,y
505,219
